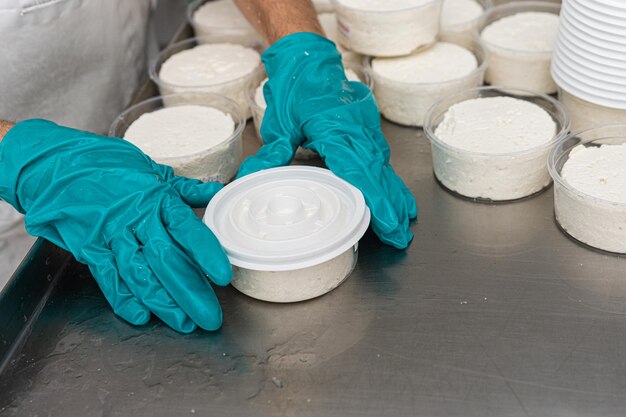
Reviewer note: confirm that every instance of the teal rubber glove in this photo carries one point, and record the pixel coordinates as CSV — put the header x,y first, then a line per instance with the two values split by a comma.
x,y
310,103
125,216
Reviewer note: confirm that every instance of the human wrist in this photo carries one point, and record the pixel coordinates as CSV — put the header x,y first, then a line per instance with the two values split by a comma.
x,y
4,128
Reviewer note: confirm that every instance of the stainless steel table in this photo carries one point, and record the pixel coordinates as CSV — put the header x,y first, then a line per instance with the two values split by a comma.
x,y
492,311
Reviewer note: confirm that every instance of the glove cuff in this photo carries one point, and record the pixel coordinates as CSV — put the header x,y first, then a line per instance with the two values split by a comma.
x,y
29,157
20,147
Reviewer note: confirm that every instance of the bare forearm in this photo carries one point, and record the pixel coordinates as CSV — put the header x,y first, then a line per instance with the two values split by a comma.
x,y
274,19
4,128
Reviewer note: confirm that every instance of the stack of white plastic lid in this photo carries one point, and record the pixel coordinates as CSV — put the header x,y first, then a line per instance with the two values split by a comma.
x,y
287,218
589,59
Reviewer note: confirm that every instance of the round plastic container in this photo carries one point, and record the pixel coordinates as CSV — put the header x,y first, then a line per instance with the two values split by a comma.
x,y
493,176
390,28
514,68
464,23
218,163
237,29
291,233
258,111
331,29
406,103
589,64
234,89
585,115
593,221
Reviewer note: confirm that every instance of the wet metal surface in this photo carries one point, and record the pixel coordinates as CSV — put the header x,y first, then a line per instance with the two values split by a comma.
x,y
492,311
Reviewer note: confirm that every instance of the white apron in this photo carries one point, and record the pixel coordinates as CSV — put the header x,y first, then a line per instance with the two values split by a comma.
x,y
75,62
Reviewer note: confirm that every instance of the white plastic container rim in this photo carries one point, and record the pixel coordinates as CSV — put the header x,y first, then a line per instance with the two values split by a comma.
x,y
287,218
513,8
566,145
575,89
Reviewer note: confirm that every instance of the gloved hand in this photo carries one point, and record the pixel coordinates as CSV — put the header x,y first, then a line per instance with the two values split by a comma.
x,y
310,103
125,216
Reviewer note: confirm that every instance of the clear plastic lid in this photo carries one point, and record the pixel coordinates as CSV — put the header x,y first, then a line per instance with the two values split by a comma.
x,y
287,218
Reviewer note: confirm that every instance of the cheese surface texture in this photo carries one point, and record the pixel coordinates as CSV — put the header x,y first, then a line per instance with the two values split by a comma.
x,y
593,209
180,130
598,171
493,148
521,51
459,12
220,14
524,32
387,27
406,87
496,125
197,141
209,64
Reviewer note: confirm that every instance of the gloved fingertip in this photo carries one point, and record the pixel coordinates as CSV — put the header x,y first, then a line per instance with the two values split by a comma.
x,y
222,275
413,210
213,318
186,327
141,318
196,193
399,239
133,312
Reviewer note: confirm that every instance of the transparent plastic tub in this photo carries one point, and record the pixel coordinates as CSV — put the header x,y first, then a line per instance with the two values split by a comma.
x,y
590,220
466,26
515,68
239,33
406,103
492,177
291,233
234,89
297,284
219,163
585,115
391,32
259,111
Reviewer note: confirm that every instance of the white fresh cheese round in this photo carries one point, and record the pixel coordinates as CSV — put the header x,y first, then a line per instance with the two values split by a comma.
x,y
585,115
291,233
521,51
222,68
460,16
323,6
192,139
595,212
219,15
406,87
387,27
329,25
493,148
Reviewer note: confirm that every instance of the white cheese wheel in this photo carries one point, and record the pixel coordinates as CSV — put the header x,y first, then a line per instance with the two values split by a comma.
x,y
460,16
387,27
406,87
192,139
494,148
595,212
224,68
521,51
